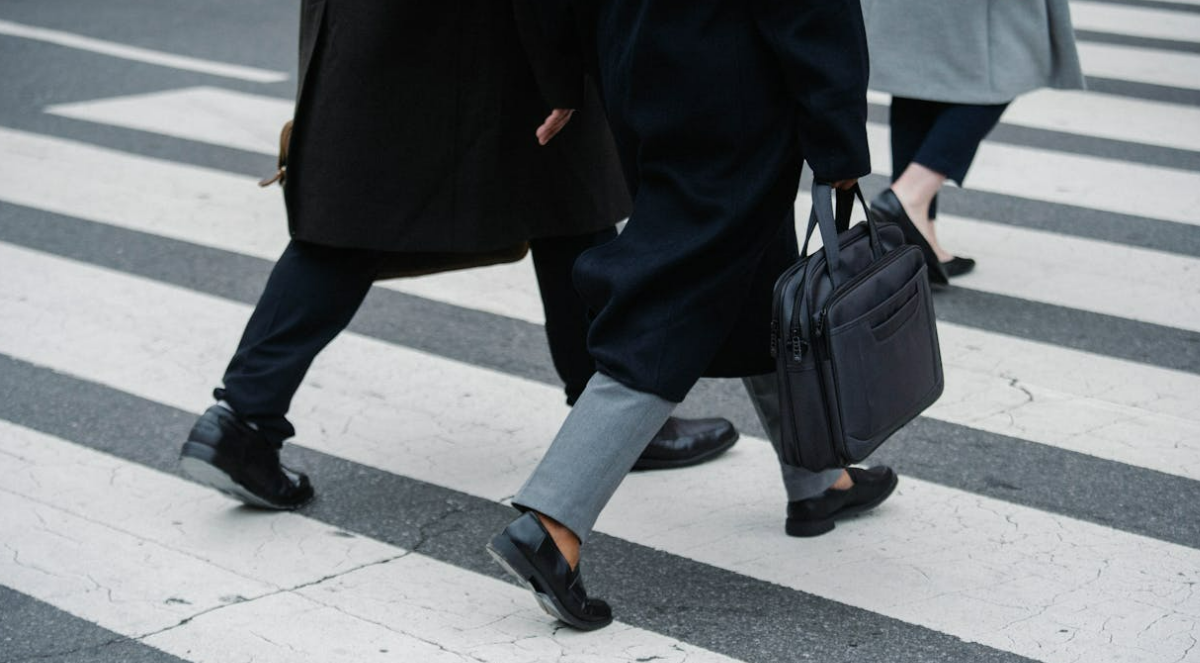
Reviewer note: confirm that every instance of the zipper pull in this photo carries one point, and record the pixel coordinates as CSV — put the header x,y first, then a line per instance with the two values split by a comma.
x,y
797,346
774,338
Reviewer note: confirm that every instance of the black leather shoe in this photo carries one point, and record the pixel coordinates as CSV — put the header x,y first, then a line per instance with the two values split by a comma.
x,y
887,209
525,550
815,516
957,266
223,452
684,442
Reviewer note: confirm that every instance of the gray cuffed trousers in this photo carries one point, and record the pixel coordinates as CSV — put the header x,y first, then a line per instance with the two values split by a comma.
x,y
605,433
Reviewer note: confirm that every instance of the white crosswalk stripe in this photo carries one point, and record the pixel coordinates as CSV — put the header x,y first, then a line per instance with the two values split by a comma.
x,y
1135,21
217,116
1168,3
1139,190
1144,65
162,561
146,55
1101,116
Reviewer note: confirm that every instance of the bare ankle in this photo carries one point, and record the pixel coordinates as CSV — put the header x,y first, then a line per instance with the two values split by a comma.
x,y
565,539
844,482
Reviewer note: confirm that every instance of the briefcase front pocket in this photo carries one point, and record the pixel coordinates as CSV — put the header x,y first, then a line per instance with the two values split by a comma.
x,y
887,367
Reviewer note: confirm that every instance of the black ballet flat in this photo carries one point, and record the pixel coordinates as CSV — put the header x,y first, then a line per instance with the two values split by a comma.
x,y
887,208
957,266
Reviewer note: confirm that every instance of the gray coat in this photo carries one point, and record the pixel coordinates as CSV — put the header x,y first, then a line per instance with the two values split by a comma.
x,y
970,51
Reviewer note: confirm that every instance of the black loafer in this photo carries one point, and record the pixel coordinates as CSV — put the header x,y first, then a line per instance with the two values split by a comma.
x,y
684,442
815,516
887,209
225,453
525,550
957,266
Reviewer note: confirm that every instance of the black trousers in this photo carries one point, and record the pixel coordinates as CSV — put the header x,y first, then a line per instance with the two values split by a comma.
x,y
313,293
941,136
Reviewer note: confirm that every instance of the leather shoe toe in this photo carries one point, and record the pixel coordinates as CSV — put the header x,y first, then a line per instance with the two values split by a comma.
x,y
684,442
816,515
226,453
957,266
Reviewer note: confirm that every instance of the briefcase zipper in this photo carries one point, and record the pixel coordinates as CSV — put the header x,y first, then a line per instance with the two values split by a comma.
x,y
780,283
801,264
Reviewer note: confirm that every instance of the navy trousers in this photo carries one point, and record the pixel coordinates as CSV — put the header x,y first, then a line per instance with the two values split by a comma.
x,y
313,293
943,137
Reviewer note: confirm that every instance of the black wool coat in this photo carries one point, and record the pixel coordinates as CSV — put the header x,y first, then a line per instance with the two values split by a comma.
x,y
714,106
414,132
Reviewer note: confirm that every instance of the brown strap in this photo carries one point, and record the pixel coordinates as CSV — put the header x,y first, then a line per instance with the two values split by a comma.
x,y
279,176
285,138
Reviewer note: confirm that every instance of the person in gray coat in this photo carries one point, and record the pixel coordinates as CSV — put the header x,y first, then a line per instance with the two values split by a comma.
x,y
952,68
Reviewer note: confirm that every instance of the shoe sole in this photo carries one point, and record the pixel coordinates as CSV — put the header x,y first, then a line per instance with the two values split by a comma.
x,y
809,528
196,462
514,563
643,465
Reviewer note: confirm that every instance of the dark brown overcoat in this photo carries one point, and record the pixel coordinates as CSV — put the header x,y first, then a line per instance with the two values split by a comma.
x,y
414,132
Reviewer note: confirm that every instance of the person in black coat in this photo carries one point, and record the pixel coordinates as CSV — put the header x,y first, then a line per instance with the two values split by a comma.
x,y
412,150
714,106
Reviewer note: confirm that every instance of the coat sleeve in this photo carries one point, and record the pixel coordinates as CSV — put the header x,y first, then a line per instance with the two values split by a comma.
x,y
548,33
822,50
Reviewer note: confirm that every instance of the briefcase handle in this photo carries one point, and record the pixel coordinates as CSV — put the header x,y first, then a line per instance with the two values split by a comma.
x,y
823,216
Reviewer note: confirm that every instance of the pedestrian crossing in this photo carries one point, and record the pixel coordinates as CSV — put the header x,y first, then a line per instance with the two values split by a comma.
x,y
415,452
981,394
1085,283
224,211
361,423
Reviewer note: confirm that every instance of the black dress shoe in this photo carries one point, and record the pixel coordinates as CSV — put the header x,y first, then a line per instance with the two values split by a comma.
x,y
525,550
815,515
684,442
957,266
887,209
225,453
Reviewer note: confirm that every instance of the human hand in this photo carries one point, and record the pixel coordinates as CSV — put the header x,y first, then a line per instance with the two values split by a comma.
x,y
554,123
845,185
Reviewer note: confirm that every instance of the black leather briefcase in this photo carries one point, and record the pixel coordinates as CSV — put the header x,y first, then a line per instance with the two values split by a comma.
x,y
854,338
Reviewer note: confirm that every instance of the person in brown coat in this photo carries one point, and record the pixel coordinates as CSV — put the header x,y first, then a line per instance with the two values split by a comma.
x,y
413,149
